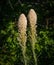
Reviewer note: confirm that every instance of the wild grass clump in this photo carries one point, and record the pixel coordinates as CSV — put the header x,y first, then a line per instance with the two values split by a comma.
x,y
22,28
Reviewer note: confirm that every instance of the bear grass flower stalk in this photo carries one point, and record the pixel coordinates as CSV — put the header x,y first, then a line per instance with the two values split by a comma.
x,y
22,25
32,19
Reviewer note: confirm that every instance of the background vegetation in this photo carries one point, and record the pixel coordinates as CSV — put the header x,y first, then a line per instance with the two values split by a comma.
x,y
10,50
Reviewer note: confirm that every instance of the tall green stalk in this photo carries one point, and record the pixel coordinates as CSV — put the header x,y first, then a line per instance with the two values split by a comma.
x,y
32,18
22,25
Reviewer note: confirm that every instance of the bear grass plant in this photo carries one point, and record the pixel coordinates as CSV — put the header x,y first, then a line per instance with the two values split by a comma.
x,y
22,27
32,20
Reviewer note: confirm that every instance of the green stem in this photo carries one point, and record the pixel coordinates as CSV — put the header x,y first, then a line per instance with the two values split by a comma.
x,y
24,54
34,55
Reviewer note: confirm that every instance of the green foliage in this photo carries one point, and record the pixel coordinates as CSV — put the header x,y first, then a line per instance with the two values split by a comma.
x,y
9,45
